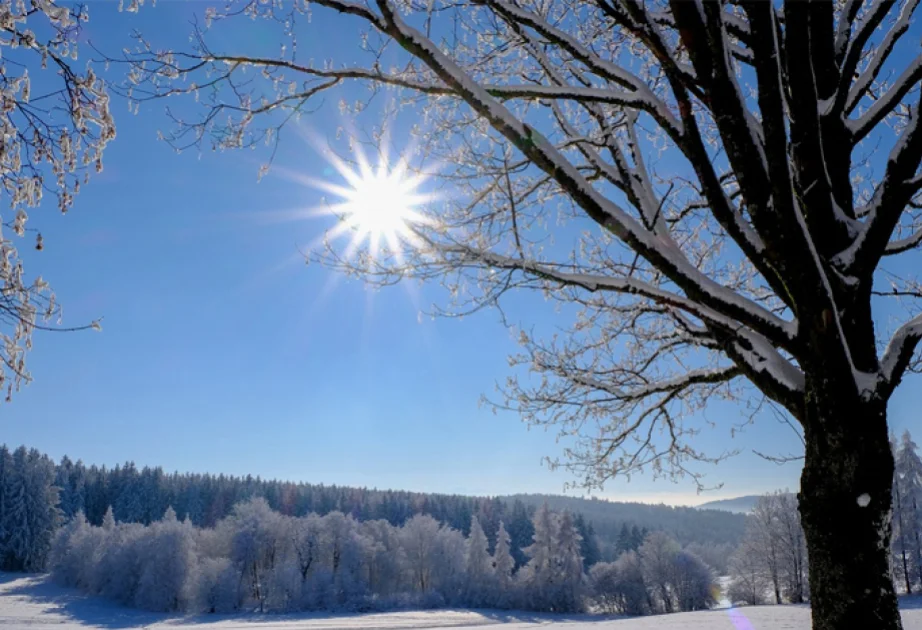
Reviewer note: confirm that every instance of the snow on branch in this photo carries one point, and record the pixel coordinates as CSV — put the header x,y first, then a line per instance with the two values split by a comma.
x,y
898,354
890,199
887,102
904,244
606,212
850,98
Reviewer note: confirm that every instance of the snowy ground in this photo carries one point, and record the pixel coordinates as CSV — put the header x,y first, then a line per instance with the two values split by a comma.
x,y
31,603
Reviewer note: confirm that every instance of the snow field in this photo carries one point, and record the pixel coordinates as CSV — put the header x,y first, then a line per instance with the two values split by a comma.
x,y
32,602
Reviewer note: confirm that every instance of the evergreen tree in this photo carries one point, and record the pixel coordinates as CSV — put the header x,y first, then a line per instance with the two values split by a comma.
x,y
6,473
30,514
538,576
637,537
569,565
589,547
625,541
479,566
108,519
521,531
503,565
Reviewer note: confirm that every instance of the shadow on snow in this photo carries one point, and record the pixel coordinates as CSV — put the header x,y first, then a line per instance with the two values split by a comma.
x,y
104,613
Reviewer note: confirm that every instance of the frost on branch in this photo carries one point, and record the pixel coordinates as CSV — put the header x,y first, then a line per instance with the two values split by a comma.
x,y
49,143
702,210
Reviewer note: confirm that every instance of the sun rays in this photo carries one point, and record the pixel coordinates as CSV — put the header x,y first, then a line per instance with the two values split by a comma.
x,y
379,205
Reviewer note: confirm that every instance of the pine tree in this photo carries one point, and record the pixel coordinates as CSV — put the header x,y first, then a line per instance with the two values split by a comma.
x,y
589,547
625,541
479,566
569,564
30,515
520,530
108,519
538,576
6,472
503,565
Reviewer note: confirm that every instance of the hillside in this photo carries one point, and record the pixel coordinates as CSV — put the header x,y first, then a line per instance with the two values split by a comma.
x,y
686,524
736,505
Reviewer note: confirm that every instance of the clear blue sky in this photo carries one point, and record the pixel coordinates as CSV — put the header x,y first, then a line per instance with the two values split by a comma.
x,y
222,352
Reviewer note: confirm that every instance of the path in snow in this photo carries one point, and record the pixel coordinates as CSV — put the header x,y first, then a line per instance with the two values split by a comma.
x,y
33,603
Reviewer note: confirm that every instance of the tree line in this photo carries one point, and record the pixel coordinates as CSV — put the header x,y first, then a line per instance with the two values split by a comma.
x,y
260,559
142,495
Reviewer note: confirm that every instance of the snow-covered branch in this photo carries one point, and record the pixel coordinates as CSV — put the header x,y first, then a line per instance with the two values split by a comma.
x,y
891,197
898,354
904,244
884,105
851,97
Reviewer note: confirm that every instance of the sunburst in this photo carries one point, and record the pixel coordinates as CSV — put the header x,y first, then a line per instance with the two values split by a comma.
x,y
379,205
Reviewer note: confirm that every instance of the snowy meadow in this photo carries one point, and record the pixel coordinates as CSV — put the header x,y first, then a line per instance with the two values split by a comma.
x,y
36,603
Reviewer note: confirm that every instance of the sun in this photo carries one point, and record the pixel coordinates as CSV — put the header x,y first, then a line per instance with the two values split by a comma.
x,y
379,205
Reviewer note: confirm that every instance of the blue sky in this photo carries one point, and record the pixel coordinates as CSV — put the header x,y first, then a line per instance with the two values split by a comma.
x,y
221,351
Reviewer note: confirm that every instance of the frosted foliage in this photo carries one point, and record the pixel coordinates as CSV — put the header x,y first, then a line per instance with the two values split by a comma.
x,y
771,562
480,576
258,559
53,138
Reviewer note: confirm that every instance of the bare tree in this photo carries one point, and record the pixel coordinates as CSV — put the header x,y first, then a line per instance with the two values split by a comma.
x,y
775,543
709,190
55,123
765,542
748,582
793,548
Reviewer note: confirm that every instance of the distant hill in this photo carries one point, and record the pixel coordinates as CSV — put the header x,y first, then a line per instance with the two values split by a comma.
x,y
686,524
737,505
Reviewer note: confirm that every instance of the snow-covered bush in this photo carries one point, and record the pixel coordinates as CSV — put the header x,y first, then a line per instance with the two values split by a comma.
x,y
619,587
258,559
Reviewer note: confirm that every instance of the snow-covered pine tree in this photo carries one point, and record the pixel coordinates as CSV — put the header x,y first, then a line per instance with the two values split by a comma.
x,y
108,519
30,514
589,547
6,472
479,578
538,577
568,591
503,565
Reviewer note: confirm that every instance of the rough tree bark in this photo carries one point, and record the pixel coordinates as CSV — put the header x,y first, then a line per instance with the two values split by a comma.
x,y
748,265
845,505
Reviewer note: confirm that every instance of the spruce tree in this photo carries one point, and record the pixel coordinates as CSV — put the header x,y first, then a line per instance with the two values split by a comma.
x,y
569,566
503,565
479,566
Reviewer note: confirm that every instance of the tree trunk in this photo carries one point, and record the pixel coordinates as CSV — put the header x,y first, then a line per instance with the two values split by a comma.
x,y
845,506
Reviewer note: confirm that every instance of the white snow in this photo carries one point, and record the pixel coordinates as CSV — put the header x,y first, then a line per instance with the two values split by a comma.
x,y
864,499
34,603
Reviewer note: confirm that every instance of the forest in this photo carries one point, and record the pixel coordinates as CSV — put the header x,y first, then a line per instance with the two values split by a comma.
x,y
225,544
